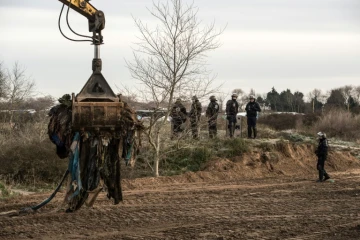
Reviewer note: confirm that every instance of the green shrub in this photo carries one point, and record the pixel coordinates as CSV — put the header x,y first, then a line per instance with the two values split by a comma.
x,y
185,159
233,147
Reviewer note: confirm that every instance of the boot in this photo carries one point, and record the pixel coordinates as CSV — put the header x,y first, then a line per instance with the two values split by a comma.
x,y
231,130
326,176
255,132
249,132
321,175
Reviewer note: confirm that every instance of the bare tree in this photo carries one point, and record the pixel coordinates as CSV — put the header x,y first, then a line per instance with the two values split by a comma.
x,y
356,94
323,98
242,98
238,91
221,99
2,81
346,91
252,92
170,60
38,103
128,95
314,95
18,86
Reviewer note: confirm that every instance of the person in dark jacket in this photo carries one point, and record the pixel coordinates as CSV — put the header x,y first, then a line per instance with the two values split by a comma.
x,y
252,109
232,108
212,113
178,115
195,115
322,152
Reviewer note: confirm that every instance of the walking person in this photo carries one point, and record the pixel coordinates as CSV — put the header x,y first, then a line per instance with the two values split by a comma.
x,y
212,114
322,152
232,108
252,108
195,115
178,115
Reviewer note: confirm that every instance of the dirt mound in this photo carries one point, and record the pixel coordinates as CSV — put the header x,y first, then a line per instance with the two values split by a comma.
x,y
286,159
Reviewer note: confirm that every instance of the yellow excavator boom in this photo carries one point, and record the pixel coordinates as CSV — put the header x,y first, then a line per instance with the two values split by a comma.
x,y
96,17
81,6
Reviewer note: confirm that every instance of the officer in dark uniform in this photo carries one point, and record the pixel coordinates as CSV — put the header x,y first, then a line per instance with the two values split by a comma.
x,y
195,115
212,113
178,115
322,152
252,109
232,108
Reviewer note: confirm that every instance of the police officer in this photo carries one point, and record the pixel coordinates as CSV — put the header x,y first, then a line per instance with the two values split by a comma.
x,y
232,108
212,113
178,115
195,115
252,109
321,152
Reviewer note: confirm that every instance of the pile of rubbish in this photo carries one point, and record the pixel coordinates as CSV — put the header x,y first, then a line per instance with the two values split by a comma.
x,y
94,156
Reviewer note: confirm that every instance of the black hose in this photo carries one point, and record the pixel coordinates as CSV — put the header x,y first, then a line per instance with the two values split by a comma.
x,y
75,40
67,21
46,201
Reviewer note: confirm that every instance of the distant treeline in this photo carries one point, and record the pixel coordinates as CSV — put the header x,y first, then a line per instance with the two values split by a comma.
x,y
347,97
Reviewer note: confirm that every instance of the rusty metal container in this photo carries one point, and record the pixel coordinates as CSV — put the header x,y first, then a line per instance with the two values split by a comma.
x,y
96,106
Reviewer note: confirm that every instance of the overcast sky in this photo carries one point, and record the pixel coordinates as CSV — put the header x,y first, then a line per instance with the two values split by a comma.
x,y
295,44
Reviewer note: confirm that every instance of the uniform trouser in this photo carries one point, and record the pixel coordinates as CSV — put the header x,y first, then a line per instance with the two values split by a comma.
x,y
177,127
251,122
320,167
231,124
212,129
195,129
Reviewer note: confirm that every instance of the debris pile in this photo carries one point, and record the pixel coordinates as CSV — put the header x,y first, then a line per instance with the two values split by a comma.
x,y
94,156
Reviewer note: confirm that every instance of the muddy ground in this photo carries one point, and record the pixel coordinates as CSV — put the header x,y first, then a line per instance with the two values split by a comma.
x,y
264,208
259,195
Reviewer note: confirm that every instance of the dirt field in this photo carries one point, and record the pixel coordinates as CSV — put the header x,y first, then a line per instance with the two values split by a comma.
x,y
267,208
260,195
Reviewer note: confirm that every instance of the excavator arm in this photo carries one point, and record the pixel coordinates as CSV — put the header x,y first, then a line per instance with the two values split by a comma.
x,y
96,93
96,17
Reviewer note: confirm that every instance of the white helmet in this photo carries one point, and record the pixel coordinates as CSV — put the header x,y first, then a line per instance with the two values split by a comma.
x,y
321,135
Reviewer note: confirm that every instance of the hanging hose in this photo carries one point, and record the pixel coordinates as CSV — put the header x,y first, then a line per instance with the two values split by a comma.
x,y
75,40
67,21
46,201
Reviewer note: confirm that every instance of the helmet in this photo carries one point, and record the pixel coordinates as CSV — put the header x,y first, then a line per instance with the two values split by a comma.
x,y
251,97
194,98
321,135
234,95
178,100
212,98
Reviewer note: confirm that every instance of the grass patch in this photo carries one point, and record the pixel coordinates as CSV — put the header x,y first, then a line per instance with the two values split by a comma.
x,y
193,157
185,159
232,147
4,192
266,147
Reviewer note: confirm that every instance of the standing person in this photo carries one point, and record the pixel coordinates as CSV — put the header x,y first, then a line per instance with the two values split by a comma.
x,y
178,115
321,152
195,115
212,113
252,109
232,108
